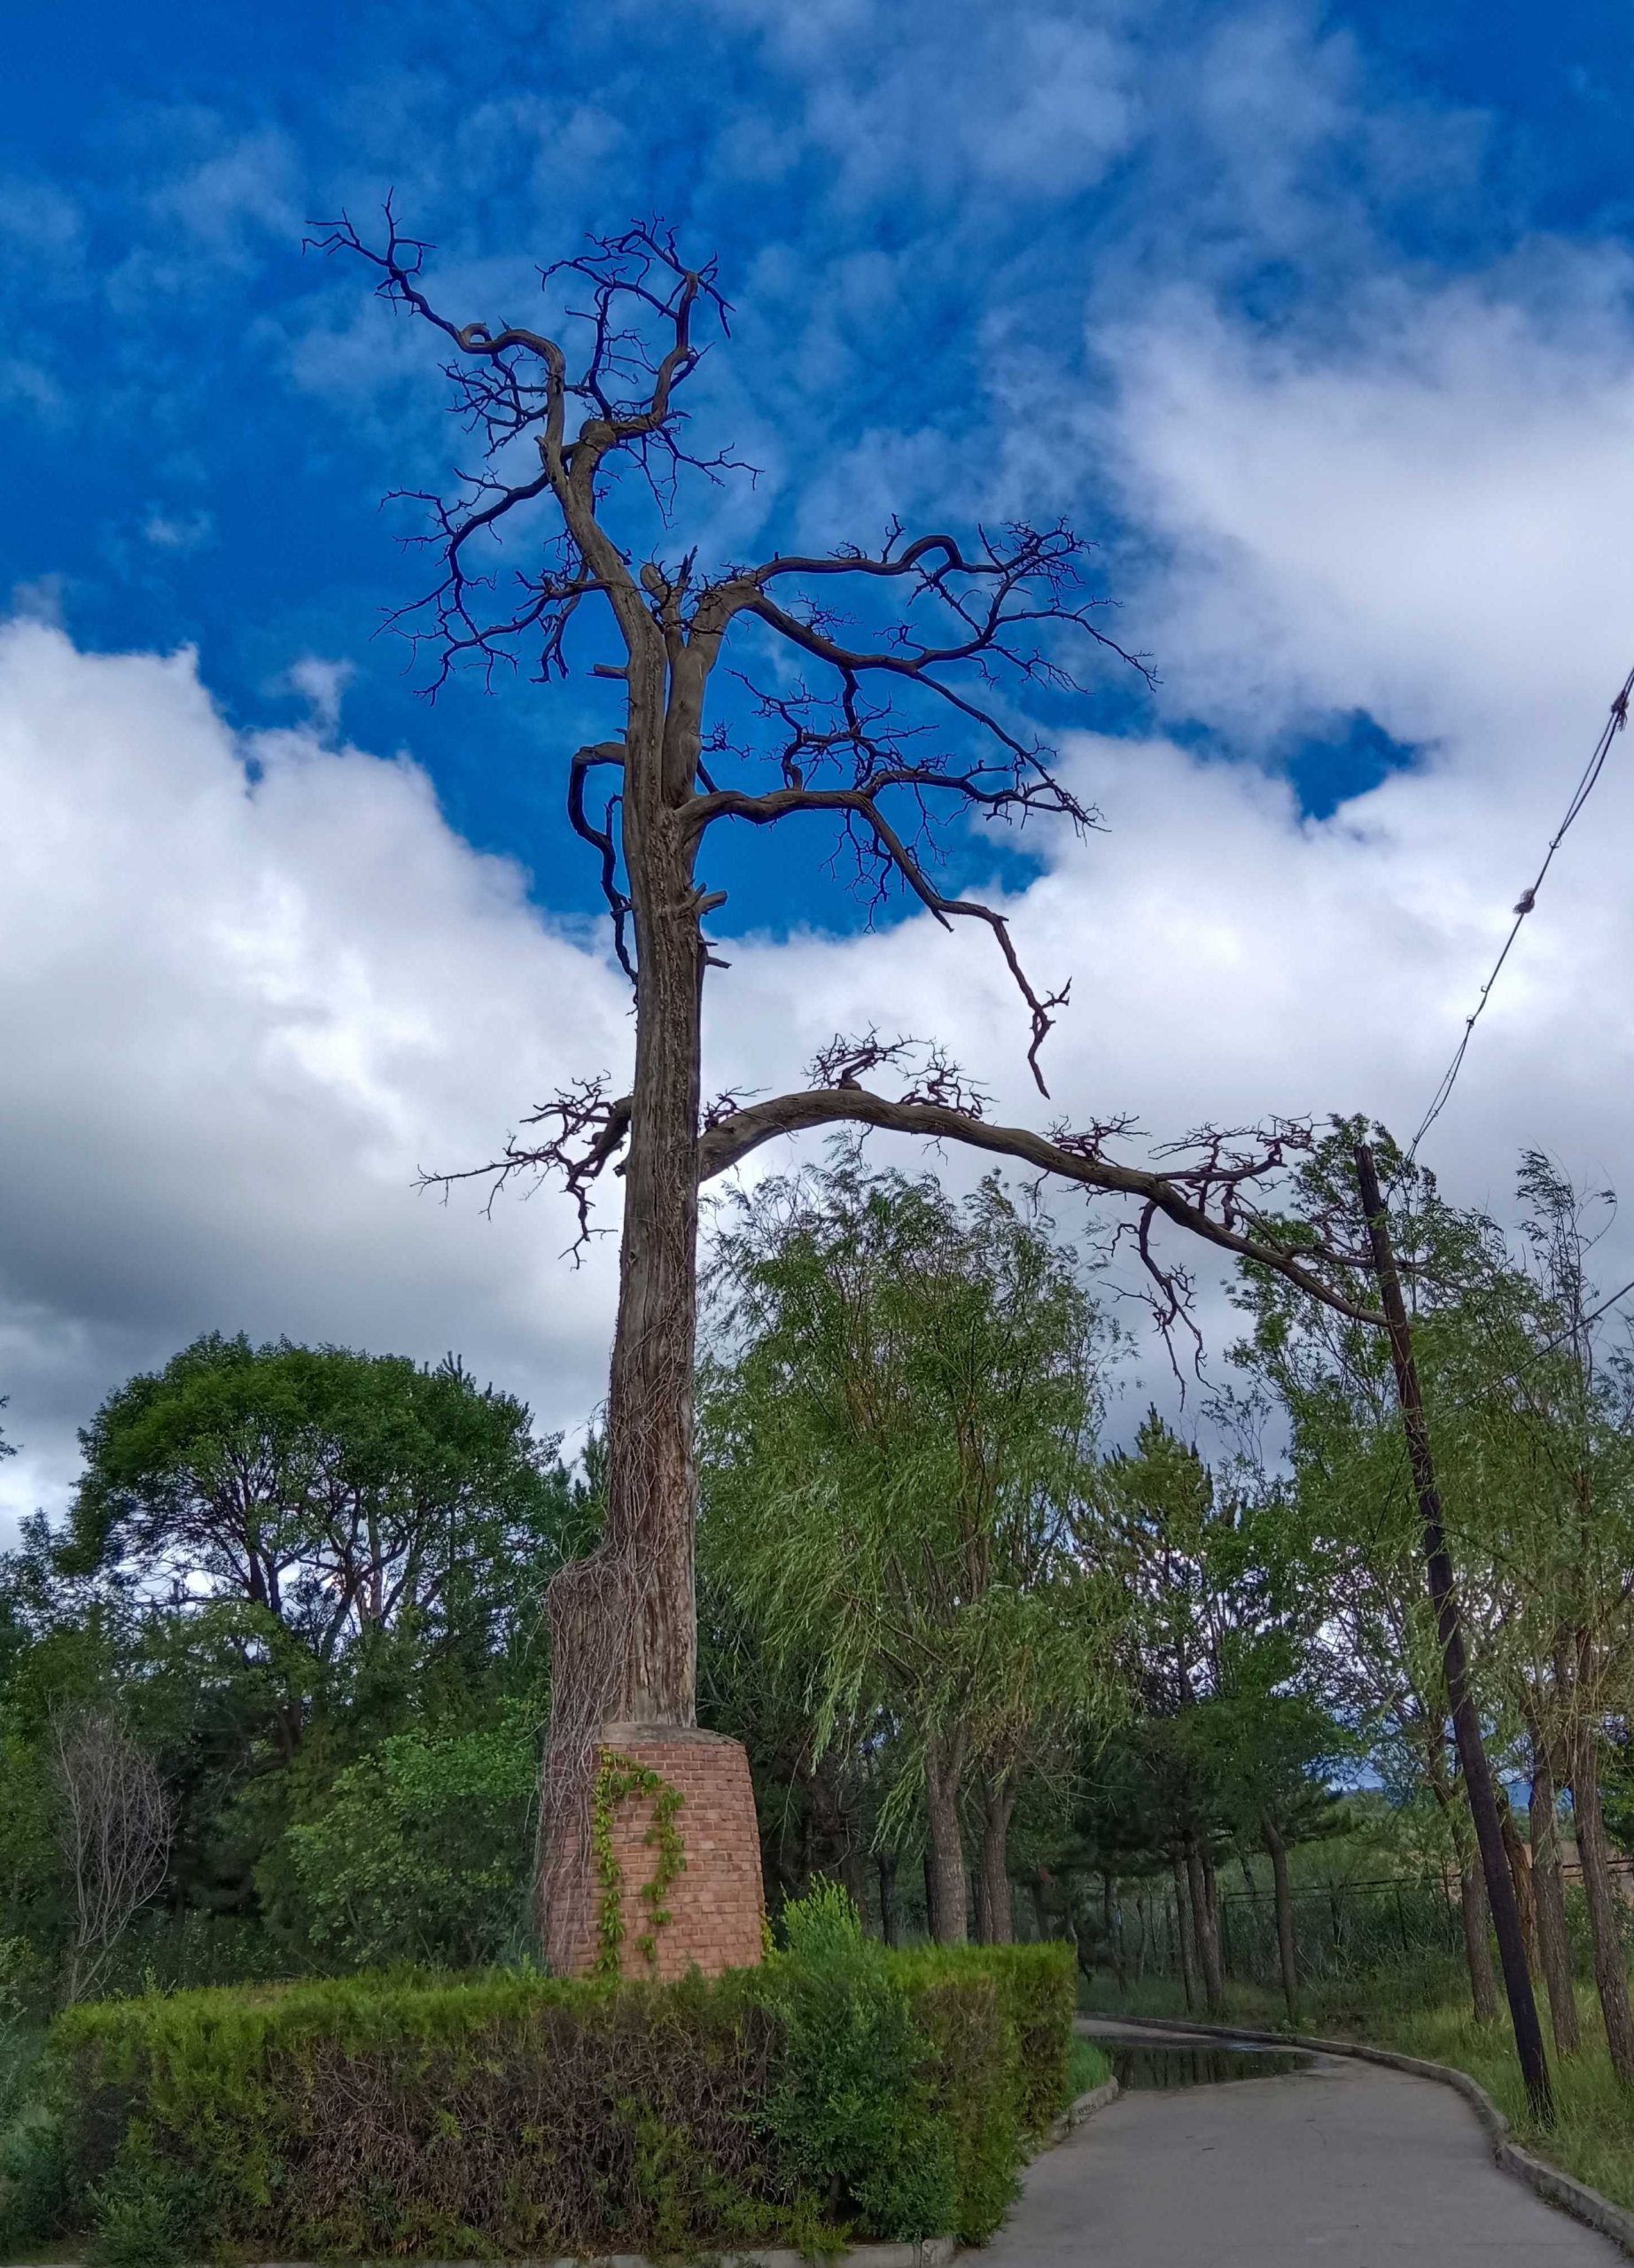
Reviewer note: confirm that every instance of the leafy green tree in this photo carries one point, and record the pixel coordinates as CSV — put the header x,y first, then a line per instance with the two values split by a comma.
x,y
281,1561
1535,1456
342,1500
897,1433
422,1853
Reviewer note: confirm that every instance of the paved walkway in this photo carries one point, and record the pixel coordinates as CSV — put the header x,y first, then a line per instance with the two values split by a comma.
x,y
1347,2164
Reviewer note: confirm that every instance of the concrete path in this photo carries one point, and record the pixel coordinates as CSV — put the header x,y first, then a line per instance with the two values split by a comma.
x,y
1347,2164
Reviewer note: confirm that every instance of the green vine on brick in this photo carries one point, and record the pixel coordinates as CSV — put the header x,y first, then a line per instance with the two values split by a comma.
x,y
617,1779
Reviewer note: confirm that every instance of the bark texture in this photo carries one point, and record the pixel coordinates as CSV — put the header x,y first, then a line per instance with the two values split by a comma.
x,y
1611,1976
1477,1940
1553,1942
950,1888
1205,1930
1185,1943
887,1869
994,1909
1288,1958
1520,1874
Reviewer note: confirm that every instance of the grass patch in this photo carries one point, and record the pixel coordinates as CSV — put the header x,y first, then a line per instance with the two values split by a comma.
x,y
1088,2068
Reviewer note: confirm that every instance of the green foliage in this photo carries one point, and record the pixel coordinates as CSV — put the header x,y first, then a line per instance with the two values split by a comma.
x,y
421,1851
617,1780
311,1580
852,2106
897,1428
34,2179
1087,2067
840,2089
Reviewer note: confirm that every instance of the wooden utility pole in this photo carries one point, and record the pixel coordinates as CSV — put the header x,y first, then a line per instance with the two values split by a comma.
x,y
1450,1625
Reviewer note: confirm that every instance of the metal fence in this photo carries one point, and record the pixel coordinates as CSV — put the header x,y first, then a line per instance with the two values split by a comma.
x,y
1342,1929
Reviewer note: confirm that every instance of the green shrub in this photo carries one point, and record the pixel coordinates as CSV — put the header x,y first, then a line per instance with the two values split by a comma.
x,y
1038,1984
1000,2018
34,2182
421,1851
381,2115
851,2107
839,2090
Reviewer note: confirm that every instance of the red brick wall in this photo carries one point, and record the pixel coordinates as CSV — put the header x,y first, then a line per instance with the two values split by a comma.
x,y
716,1904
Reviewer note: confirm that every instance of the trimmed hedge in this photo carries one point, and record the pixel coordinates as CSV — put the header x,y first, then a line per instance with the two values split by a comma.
x,y
838,2091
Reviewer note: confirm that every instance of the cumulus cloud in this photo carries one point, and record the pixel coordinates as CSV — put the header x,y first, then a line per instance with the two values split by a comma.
x,y
248,986
250,983
1422,518
322,685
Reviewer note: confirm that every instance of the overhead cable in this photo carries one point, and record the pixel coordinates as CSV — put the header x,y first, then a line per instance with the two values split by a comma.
x,y
1615,720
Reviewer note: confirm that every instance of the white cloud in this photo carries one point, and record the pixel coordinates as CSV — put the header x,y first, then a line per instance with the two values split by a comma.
x,y
322,685
1424,519
184,531
247,987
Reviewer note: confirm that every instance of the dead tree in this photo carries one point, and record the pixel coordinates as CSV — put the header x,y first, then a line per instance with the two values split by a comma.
x,y
115,1825
873,688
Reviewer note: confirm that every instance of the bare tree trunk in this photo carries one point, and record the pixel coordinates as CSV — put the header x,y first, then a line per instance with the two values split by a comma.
x,y
995,1919
1112,1926
1520,1874
1477,1943
622,1621
1182,1928
1443,1590
1276,1849
944,1760
978,1895
1040,1910
1212,1909
887,1866
1610,1975
1204,1934
1553,1942
1143,1937
929,1893
1471,1895
1069,1920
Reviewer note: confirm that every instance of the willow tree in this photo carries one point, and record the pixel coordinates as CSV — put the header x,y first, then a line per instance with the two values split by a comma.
x,y
881,690
900,1427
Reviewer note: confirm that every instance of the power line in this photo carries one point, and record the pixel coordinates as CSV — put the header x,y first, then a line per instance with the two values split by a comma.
x,y
1615,720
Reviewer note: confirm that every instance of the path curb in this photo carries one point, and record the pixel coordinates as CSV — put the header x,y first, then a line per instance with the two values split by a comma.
x,y
1085,2106
1557,2188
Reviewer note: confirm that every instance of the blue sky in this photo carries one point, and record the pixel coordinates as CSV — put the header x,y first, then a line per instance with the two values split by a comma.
x,y
922,211
1320,321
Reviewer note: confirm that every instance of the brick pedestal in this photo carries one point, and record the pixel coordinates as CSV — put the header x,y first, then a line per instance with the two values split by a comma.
x,y
716,1904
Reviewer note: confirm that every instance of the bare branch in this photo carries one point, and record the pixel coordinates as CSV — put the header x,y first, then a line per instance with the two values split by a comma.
x,y
588,1127
765,810
601,839
1206,1196
116,1822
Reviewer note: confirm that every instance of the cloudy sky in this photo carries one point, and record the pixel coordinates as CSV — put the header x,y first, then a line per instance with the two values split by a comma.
x,y
1321,322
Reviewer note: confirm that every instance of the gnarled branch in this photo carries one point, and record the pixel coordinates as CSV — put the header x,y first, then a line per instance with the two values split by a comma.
x,y
1205,1196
